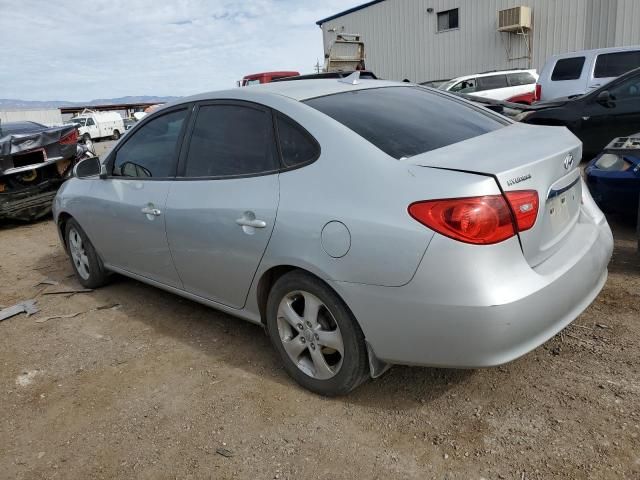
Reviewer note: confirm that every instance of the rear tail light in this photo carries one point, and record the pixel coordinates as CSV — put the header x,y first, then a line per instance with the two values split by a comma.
x,y
70,138
538,95
524,204
479,220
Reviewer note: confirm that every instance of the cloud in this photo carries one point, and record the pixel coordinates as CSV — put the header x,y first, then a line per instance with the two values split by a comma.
x,y
79,50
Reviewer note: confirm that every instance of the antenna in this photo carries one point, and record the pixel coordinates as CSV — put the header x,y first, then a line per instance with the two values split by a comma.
x,y
353,79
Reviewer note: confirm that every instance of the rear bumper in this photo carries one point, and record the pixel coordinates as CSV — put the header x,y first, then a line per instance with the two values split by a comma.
x,y
470,306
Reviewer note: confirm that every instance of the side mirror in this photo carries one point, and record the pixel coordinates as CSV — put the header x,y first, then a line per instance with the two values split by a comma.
x,y
89,167
604,98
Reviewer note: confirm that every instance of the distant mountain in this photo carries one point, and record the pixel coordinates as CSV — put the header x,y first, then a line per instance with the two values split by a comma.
x,y
15,104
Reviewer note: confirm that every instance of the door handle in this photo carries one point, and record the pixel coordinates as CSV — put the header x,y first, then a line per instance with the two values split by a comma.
x,y
151,211
247,222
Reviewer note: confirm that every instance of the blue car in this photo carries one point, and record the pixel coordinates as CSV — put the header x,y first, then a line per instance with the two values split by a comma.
x,y
614,176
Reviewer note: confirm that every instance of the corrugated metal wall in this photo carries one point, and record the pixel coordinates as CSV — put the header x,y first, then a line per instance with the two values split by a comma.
x,y
46,117
401,38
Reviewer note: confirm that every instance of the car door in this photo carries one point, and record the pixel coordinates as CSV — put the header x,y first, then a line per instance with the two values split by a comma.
x,y
620,116
92,128
130,233
493,86
222,207
609,66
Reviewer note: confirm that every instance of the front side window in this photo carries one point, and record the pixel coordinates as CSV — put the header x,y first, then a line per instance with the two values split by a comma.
x,y
297,146
627,90
465,86
568,69
448,20
90,122
521,78
493,82
406,121
151,151
231,140
615,64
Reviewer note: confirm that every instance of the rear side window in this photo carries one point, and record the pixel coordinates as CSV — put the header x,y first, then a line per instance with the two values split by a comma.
x,y
406,121
151,150
231,140
568,69
492,82
296,145
616,64
521,78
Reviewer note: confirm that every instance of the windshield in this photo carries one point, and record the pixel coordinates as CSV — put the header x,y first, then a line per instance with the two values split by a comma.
x,y
79,121
407,121
447,85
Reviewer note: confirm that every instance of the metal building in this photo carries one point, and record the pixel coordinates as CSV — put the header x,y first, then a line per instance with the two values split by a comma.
x,y
440,39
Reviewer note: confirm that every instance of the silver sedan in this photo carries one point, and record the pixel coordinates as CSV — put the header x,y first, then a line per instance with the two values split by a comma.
x,y
363,223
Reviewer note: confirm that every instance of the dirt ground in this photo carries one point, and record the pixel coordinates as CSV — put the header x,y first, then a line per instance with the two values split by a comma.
x,y
139,383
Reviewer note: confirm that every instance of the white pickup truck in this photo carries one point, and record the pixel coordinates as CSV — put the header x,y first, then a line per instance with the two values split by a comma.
x,y
94,125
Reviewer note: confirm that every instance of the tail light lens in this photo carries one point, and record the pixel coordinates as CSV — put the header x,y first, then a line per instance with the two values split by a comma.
x,y
70,138
524,204
538,95
479,220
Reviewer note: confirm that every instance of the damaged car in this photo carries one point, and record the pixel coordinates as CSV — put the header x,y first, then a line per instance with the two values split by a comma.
x,y
34,161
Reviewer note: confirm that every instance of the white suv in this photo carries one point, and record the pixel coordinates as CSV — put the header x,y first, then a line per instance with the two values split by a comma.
x,y
577,73
516,86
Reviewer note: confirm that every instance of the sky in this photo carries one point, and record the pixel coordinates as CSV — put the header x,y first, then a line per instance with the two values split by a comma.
x,y
82,50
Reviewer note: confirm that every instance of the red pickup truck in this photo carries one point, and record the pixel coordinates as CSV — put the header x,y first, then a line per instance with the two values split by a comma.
x,y
264,77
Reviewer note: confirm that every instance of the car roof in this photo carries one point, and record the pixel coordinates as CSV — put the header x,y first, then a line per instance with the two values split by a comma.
x,y
585,53
497,72
295,89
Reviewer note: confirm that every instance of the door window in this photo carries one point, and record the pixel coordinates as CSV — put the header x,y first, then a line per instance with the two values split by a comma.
x,y
627,90
90,122
521,78
568,69
616,64
465,86
231,140
296,145
493,82
151,151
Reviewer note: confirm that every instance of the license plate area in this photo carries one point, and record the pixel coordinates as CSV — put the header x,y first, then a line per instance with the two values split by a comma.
x,y
562,206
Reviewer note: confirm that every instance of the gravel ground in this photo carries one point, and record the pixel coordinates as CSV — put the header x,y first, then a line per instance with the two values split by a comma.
x,y
133,382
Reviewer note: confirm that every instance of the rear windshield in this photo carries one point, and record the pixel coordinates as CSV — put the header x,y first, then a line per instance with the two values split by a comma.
x,y
407,121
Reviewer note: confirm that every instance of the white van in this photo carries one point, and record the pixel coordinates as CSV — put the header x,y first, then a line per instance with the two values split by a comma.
x,y
94,125
511,85
577,73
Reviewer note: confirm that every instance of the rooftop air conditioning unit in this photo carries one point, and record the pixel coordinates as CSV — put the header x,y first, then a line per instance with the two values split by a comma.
x,y
514,19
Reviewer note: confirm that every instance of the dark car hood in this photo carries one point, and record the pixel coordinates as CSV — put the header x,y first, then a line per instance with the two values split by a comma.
x,y
556,102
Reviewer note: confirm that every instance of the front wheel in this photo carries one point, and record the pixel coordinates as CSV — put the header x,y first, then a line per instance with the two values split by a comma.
x,y
317,337
84,259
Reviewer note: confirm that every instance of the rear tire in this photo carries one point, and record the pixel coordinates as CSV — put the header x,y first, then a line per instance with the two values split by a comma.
x,y
116,134
316,335
84,259
86,138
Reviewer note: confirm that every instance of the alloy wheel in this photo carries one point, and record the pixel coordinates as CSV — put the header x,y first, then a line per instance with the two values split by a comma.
x,y
310,335
78,254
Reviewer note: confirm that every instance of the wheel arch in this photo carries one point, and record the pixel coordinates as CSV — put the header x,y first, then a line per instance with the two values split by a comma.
x,y
270,276
63,218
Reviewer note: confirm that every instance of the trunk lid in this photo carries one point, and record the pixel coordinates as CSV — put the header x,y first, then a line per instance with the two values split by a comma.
x,y
525,157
